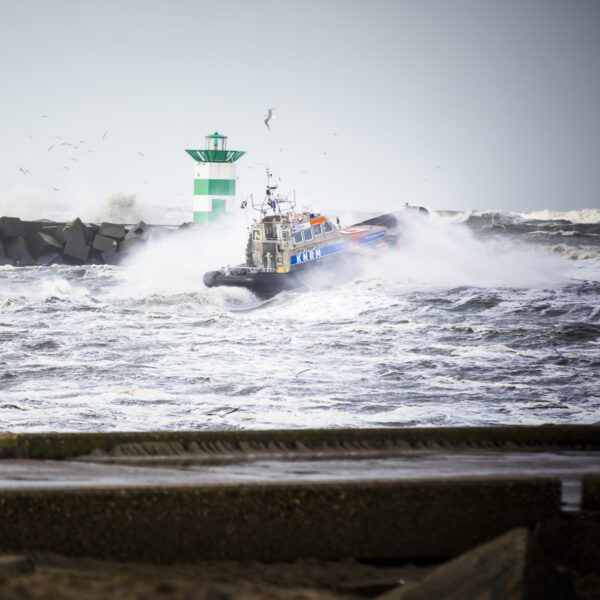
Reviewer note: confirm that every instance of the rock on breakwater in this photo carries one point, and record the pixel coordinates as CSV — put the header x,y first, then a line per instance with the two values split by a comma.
x,y
45,243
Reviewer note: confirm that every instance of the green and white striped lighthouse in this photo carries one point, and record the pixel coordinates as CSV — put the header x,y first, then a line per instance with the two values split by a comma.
x,y
214,178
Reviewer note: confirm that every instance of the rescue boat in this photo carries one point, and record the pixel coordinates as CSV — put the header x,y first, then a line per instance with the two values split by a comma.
x,y
289,249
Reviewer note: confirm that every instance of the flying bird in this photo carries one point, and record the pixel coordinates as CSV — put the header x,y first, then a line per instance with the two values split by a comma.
x,y
104,134
269,116
45,116
300,372
56,189
29,136
73,159
141,154
50,147
65,168
24,171
65,144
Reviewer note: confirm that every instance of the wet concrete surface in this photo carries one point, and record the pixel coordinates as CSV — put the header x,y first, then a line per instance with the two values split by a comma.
x,y
568,466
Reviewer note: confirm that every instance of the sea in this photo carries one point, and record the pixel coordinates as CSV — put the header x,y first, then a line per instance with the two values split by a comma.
x,y
480,318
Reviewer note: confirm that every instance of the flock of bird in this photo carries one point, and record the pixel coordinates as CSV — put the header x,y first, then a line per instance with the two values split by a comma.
x,y
78,146
81,146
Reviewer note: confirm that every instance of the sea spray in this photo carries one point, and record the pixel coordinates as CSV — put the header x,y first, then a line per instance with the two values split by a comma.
x,y
438,252
175,262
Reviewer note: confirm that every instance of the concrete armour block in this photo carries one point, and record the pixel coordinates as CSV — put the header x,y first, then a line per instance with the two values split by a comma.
x,y
75,232
111,258
31,228
25,261
112,230
41,243
77,249
131,244
16,248
139,230
511,567
11,227
105,244
48,258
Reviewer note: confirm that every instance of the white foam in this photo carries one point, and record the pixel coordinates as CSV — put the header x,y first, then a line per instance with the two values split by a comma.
x,y
436,252
584,215
175,263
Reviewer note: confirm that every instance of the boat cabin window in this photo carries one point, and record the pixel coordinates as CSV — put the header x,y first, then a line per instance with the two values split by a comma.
x,y
284,236
270,231
307,235
256,235
317,229
298,237
327,227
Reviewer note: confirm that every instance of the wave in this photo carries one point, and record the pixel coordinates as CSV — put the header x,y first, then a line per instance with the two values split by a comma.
x,y
585,216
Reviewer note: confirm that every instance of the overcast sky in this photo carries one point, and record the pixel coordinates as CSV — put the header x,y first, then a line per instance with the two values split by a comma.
x,y
466,104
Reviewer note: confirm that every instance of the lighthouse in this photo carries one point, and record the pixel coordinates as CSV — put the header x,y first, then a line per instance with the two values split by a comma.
x,y
214,178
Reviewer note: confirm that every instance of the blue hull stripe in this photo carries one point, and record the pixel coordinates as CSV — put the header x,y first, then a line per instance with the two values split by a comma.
x,y
323,251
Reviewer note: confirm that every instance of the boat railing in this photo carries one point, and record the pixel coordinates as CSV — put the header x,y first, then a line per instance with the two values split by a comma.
x,y
245,270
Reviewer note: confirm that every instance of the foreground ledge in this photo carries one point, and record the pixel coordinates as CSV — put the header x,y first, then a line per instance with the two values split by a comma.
x,y
377,519
387,440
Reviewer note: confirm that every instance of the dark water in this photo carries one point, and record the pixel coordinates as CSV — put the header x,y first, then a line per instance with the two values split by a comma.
x,y
480,319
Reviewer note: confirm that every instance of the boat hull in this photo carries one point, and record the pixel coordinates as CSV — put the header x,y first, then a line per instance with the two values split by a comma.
x,y
315,274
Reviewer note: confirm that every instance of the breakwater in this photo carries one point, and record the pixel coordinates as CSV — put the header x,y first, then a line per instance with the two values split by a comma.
x,y
45,243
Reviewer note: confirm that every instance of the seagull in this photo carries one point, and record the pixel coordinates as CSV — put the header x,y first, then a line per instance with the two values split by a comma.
x,y
66,168
141,154
65,144
50,147
45,116
304,172
300,372
334,133
29,136
324,153
104,134
73,159
82,141
223,414
269,116
56,189
24,171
